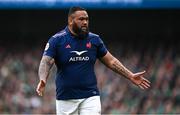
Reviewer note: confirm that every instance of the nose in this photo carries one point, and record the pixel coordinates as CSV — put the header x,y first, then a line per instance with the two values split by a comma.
x,y
85,22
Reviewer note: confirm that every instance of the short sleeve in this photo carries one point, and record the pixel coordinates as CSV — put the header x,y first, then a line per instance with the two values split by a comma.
x,y
50,49
101,49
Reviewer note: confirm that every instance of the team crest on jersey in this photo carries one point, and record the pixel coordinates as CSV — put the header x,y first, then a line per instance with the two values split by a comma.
x,y
47,46
88,45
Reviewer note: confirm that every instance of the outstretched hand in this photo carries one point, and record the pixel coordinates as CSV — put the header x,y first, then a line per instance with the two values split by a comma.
x,y
139,80
40,88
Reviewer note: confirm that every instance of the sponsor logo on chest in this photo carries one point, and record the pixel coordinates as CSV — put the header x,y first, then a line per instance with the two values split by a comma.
x,y
79,56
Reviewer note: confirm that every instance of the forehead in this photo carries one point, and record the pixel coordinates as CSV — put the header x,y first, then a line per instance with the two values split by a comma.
x,y
80,14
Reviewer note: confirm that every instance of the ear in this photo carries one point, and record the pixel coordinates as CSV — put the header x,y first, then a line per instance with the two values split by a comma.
x,y
70,20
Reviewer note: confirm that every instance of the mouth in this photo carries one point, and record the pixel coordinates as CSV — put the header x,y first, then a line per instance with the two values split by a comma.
x,y
84,28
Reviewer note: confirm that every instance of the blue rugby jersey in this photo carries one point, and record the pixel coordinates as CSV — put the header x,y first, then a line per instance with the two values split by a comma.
x,y
75,59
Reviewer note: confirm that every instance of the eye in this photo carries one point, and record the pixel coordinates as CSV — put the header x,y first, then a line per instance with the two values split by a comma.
x,y
83,18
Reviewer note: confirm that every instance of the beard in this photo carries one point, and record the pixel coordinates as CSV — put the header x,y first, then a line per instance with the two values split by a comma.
x,y
82,32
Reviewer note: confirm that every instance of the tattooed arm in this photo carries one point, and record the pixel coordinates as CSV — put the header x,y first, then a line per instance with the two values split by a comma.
x,y
44,69
115,65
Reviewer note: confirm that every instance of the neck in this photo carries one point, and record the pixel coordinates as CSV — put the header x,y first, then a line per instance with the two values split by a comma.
x,y
80,36
72,32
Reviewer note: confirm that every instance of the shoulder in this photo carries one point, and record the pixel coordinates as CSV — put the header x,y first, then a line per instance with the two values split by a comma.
x,y
93,35
60,34
95,38
59,37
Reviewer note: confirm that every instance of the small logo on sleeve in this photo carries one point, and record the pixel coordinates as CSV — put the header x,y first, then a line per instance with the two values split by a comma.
x,y
47,46
68,46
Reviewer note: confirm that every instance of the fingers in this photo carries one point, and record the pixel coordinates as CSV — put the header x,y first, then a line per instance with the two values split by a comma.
x,y
40,88
145,84
147,81
141,81
40,93
141,87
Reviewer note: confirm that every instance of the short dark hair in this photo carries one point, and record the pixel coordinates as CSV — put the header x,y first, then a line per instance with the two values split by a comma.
x,y
74,9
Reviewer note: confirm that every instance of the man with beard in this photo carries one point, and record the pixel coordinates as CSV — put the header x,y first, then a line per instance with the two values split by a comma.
x,y
74,50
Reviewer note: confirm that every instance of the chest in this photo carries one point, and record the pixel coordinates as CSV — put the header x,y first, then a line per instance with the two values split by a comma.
x,y
76,51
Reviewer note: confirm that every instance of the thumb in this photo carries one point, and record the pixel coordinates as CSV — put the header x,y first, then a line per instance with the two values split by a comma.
x,y
40,87
140,73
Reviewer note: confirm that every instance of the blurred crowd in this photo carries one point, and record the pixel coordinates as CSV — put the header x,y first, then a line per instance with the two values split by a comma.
x,y
19,78
18,81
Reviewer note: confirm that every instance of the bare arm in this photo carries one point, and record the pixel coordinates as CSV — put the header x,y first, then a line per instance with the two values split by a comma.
x,y
115,65
44,69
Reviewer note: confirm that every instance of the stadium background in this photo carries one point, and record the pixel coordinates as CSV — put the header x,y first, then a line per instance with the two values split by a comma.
x,y
141,38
